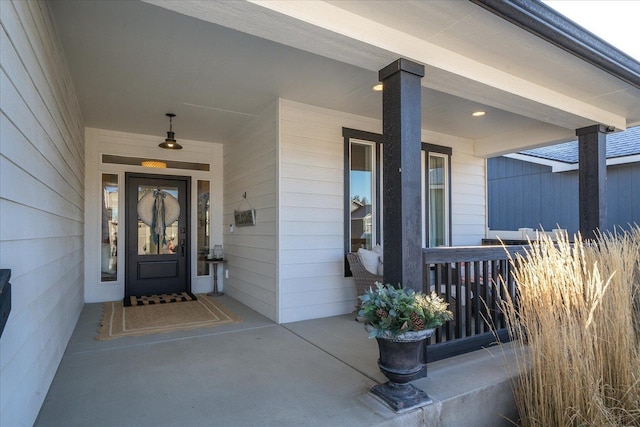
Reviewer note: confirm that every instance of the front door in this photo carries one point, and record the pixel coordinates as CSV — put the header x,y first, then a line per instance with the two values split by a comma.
x,y
157,237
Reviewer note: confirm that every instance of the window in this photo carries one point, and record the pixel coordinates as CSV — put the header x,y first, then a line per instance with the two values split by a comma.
x,y
204,227
109,238
363,182
437,197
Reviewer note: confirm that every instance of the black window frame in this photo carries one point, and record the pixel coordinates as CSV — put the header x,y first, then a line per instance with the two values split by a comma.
x,y
348,134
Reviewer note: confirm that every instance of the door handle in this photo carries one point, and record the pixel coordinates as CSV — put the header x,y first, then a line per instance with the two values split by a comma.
x,y
182,245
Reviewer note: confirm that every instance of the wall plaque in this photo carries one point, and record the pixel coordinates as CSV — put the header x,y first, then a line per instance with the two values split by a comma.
x,y
245,218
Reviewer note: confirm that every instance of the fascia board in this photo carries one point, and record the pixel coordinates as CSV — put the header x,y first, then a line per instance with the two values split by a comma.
x,y
557,166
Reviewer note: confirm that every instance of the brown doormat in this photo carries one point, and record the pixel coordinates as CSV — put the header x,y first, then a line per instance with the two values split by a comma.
x,y
162,298
119,321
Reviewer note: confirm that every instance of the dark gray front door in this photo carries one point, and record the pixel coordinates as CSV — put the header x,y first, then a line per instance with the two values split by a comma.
x,y
157,251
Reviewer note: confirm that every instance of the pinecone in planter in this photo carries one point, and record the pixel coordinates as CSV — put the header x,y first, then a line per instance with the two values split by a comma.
x,y
382,313
417,322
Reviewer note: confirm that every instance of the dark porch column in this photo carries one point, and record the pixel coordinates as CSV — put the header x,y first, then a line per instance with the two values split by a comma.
x,y
402,222
592,179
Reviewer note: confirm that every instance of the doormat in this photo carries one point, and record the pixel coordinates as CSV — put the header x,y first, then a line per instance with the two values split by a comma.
x,y
162,298
119,321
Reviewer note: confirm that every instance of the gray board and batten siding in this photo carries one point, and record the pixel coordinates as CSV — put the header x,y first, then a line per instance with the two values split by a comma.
x,y
526,194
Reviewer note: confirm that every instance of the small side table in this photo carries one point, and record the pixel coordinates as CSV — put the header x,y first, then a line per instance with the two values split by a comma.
x,y
214,263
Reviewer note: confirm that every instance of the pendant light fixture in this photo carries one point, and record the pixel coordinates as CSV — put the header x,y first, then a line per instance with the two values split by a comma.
x,y
170,143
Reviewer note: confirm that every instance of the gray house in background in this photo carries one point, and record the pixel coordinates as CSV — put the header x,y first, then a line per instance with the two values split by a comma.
x,y
538,188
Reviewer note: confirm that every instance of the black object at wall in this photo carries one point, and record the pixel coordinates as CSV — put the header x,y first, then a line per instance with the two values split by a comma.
x,y
5,298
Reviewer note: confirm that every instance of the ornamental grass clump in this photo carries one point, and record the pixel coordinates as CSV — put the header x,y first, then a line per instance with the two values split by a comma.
x,y
577,314
391,311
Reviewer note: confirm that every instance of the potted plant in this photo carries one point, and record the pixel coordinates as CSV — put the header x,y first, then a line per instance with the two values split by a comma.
x,y
401,320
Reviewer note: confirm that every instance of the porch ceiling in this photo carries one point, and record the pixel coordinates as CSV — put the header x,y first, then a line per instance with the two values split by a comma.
x,y
217,64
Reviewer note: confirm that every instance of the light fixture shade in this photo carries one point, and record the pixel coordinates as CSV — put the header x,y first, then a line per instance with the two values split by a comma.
x,y
170,143
153,164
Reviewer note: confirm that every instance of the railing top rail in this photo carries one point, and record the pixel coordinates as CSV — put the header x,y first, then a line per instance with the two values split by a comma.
x,y
470,253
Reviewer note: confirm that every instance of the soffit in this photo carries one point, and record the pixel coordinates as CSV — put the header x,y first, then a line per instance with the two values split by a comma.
x,y
132,62
338,33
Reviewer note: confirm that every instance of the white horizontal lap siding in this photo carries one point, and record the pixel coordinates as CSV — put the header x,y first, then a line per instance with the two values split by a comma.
x,y
311,207
250,166
311,211
468,197
41,206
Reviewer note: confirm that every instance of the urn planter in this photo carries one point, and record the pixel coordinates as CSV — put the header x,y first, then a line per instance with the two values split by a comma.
x,y
401,319
401,362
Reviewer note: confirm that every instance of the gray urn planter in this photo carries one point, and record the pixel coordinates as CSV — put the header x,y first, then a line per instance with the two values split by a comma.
x,y
401,362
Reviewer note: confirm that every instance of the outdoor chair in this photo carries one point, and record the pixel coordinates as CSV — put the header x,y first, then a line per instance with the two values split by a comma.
x,y
364,279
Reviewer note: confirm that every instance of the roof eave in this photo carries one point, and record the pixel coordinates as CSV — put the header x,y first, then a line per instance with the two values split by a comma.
x,y
552,26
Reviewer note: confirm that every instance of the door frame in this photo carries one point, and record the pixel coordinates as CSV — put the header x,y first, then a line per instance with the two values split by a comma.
x,y
128,229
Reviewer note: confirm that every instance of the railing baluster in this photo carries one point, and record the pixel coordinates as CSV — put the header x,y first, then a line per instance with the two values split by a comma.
x,y
504,268
460,321
477,297
495,265
468,315
447,293
486,306
436,286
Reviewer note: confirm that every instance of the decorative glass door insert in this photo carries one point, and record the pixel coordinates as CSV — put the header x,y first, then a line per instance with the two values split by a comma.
x,y
158,212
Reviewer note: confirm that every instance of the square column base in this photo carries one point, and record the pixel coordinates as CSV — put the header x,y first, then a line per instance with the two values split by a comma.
x,y
401,397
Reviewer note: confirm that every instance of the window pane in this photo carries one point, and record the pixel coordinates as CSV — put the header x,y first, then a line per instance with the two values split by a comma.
x,y
203,227
166,241
109,239
437,199
362,214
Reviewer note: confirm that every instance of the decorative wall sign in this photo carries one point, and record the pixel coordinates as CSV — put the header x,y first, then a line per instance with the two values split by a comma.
x,y
245,218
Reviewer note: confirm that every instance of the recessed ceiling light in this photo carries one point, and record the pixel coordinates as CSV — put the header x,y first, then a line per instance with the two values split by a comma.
x,y
378,87
479,113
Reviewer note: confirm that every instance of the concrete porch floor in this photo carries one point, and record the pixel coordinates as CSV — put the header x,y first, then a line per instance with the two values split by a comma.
x,y
257,373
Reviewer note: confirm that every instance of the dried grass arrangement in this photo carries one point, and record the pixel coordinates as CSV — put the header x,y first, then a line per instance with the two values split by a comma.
x,y
578,319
